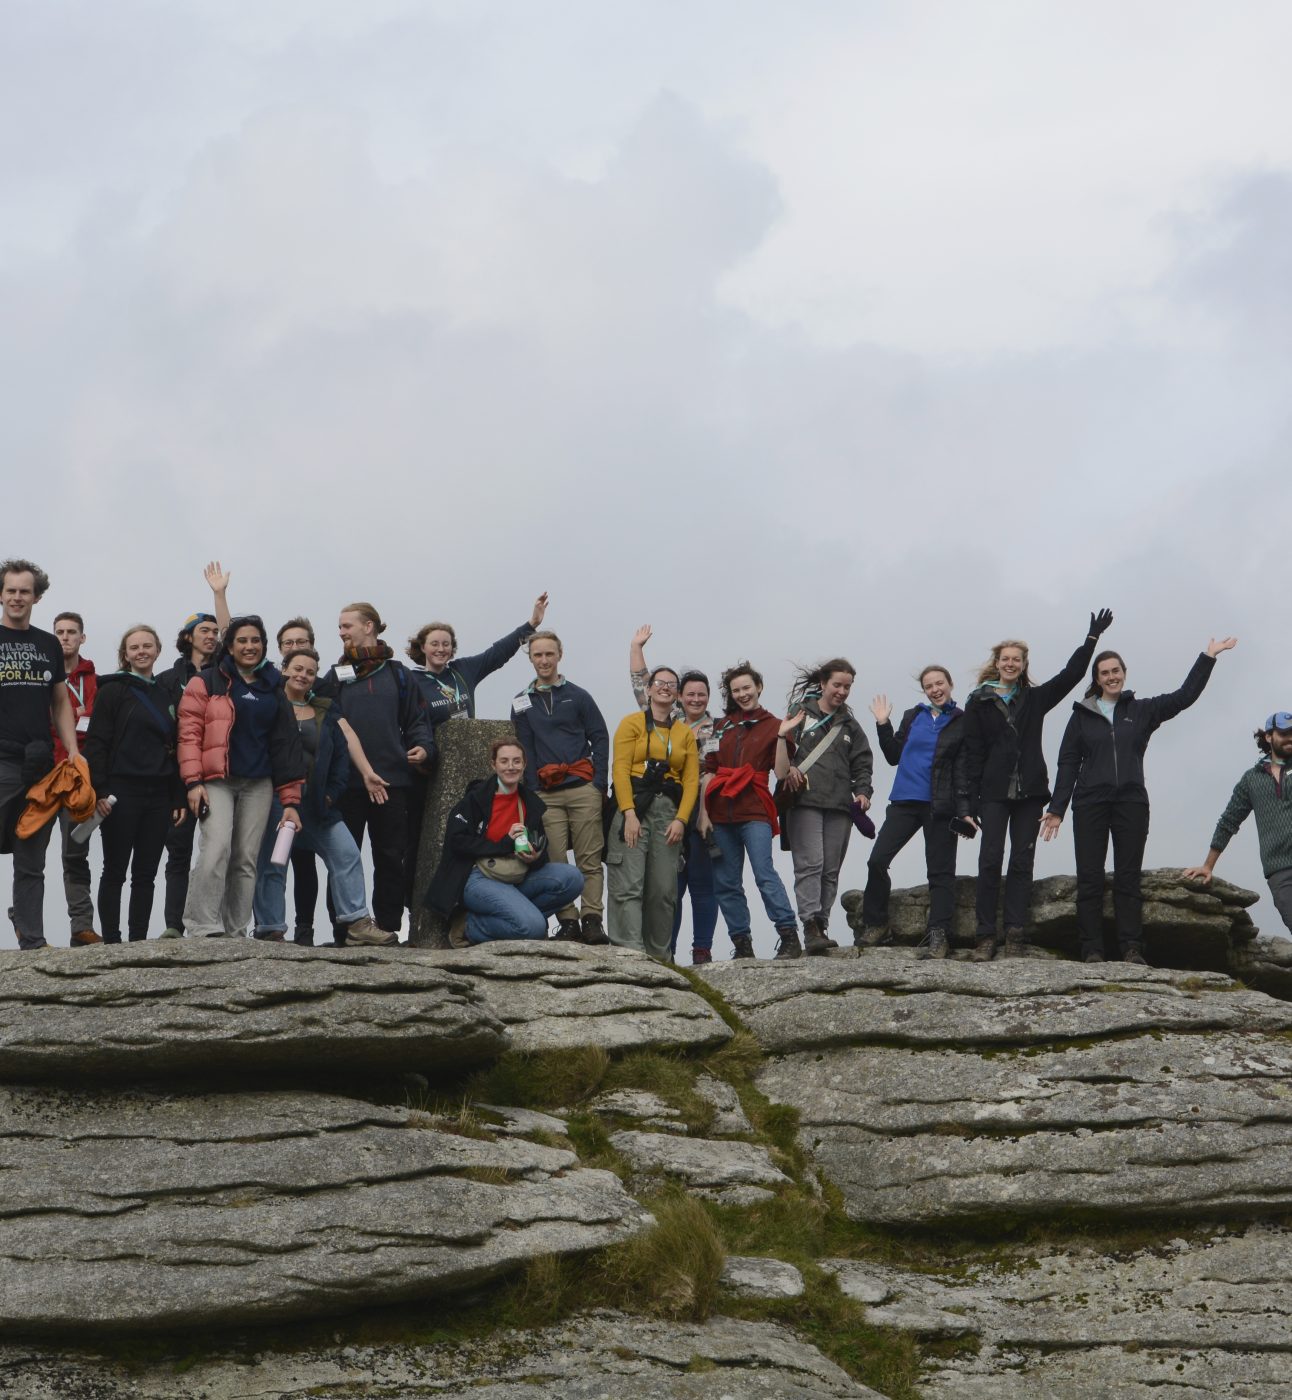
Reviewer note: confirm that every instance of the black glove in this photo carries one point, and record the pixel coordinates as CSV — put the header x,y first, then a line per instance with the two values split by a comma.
x,y
1100,622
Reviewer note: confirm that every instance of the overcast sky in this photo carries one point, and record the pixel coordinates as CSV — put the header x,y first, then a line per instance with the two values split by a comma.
x,y
879,329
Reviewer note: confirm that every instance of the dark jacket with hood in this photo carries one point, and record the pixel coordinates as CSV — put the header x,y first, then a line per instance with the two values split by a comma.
x,y
1003,760
948,754
132,734
1102,760
465,842
845,769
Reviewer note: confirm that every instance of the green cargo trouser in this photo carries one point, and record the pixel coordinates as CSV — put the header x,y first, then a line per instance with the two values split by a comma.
x,y
643,882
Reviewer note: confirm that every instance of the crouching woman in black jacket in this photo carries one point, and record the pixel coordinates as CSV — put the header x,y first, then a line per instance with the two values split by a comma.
x,y
495,861
1101,771
130,747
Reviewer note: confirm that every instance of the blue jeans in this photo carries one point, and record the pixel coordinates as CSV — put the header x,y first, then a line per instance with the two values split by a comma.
x,y
696,875
498,910
736,839
340,855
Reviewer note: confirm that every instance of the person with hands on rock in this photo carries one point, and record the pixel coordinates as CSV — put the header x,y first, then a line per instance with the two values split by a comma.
x,y
1265,790
448,683
495,863
1101,772
656,770
238,746
130,747
926,750
738,804
1006,781
829,778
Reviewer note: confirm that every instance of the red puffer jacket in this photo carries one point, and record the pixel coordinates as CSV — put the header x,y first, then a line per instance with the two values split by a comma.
x,y
206,717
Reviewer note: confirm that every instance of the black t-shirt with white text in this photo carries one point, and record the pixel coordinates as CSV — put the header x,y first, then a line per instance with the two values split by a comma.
x,y
31,665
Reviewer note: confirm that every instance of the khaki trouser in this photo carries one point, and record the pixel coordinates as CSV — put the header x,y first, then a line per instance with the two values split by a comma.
x,y
572,821
643,882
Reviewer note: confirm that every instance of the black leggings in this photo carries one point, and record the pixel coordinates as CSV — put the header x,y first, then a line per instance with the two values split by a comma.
x,y
1092,824
901,821
134,837
1021,821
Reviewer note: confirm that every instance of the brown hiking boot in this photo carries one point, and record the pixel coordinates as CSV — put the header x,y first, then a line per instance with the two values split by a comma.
x,y
1015,944
873,937
365,933
568,931
85,939
815,941
939,944
984,950
787,945
743,945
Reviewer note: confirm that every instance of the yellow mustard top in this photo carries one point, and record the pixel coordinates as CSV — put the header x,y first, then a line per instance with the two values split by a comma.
x,y
630,757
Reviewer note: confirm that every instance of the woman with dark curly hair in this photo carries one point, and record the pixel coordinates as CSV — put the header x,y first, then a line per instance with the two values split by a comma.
x,y
739,803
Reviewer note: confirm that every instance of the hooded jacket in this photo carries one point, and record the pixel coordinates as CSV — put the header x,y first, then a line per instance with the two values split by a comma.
x,y
206,719
844,770
746,738
1102,760
1003,759
132,734
465,842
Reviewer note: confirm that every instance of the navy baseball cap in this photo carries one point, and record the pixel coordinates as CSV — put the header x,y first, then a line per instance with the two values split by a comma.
x,y
1280,719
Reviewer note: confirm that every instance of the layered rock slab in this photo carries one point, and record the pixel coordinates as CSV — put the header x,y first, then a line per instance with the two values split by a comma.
x,y
889,996
1063,1093
209,1007
150,1212
1201,1316
552,996
586,1358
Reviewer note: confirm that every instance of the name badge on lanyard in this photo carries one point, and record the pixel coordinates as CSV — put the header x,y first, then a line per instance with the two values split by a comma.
x,y
521,703
345,674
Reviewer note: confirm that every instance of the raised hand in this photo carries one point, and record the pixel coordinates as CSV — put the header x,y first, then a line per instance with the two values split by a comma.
x,y
1214,647
788,726
540,610
881,709
1100,622
642,635
216,577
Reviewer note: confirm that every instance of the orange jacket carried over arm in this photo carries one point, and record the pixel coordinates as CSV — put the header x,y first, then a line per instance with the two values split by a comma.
x,y
67,784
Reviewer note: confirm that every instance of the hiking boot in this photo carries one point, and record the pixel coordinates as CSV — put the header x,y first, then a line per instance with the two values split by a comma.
x,y
787,944
171,933
270,935
984,950
743,946
700,956
569,931
1015,944
107,938
304,937
1134,955
815,942
1093,958
873,937
365,932
86,938
593,934
939,945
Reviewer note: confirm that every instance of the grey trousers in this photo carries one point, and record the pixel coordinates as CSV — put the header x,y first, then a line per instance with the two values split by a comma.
x,y
223,883
1280,884
643,883
28,859
76,877
818,843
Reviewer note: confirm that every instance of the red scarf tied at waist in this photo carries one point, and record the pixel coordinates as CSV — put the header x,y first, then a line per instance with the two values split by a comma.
x,y
731,782
551,775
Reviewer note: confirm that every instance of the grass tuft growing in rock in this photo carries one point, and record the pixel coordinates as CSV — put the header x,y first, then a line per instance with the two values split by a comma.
x,y
544,1079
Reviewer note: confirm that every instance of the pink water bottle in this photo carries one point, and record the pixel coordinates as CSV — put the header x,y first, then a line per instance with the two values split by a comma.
x,y
283,845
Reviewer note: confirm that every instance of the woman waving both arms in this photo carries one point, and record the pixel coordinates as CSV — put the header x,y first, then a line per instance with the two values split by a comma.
x,y
1007,781
1101,772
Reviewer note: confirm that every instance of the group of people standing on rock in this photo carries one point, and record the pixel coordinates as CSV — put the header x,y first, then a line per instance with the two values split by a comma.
x,y
673,805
